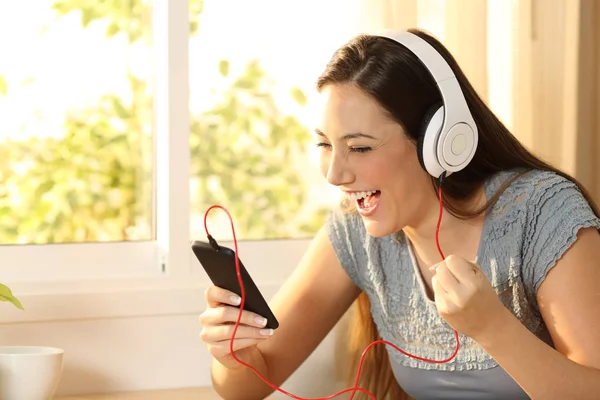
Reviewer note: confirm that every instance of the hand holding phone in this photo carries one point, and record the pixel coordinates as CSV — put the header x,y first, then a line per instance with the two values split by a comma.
x,y
218,322
219,265
223,299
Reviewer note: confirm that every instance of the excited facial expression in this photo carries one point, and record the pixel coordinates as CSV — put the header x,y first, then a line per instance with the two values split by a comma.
x,y
368,156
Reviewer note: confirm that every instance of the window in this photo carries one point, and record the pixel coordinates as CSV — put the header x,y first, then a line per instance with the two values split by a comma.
x,y
77,124
76,139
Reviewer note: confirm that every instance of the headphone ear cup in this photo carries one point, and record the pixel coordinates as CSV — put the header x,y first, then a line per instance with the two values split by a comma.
x,y
423,129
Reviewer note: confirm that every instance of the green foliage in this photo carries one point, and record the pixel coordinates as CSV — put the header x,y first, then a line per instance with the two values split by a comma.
x,y
242,157
7,296
93,183
90,185
299,96
132,17
224,68
196,7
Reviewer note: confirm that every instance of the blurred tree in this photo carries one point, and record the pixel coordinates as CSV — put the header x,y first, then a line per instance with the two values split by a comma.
x,y
245,154
90,185
93,184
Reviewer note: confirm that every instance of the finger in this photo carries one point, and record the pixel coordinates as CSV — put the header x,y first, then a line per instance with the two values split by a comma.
x,y
248,332
215,296
438,289
219,333
463,270
224,314
222,348
446,279
440,296
433,268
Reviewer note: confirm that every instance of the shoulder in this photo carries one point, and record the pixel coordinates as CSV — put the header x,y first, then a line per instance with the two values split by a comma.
x,y
544,204
346,221
555,211
542,186
531,194
535,219
362,256
552,201
345,229
347,234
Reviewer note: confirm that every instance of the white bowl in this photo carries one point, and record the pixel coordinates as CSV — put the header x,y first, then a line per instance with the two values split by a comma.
x,y
29,372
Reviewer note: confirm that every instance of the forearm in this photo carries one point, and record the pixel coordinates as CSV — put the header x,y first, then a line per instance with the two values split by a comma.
x,y
541,371
241,383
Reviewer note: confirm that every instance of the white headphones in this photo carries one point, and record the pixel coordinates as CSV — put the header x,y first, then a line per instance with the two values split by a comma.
x,y
448,138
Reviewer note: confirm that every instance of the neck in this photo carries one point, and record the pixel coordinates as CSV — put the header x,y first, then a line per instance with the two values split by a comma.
x,y
456,236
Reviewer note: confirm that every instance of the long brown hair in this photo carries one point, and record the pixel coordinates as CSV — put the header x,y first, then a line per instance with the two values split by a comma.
x,y
405,90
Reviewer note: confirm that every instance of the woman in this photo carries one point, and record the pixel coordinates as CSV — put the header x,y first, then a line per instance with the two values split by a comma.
x,y
519,281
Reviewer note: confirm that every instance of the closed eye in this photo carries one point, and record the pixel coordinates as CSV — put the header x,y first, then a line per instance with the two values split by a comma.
x,y
352,149
360,149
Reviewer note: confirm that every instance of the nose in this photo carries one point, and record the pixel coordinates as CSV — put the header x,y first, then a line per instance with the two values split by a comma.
x,y
337,170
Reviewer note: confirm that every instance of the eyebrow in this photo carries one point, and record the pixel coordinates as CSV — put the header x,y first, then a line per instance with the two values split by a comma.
x,y
348,136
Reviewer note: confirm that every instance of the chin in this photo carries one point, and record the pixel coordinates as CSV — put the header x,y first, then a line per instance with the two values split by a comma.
x,y
378,229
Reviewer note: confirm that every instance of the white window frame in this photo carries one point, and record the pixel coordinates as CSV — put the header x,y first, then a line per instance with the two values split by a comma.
x,y
102,280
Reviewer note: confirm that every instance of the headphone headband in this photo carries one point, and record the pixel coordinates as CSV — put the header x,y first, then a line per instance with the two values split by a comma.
x,y
451,137
431,59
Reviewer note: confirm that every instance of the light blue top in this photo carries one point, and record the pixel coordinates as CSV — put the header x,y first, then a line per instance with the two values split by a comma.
x,y
526,231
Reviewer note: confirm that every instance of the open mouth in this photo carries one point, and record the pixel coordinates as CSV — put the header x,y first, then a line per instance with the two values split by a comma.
x,y
366,201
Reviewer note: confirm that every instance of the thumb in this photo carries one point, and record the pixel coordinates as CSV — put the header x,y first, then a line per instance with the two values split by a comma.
x,y
434,267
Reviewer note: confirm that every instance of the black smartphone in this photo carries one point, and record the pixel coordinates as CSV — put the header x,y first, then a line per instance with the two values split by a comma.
x,y
219,264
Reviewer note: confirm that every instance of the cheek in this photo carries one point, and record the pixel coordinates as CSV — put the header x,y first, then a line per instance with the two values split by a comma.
x,y
399,173
378,172
384,170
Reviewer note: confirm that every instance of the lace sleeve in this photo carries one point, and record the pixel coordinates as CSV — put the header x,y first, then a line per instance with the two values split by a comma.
x,y
556,211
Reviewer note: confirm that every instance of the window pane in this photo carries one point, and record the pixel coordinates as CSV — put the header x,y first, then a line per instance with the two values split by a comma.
x,y
76,127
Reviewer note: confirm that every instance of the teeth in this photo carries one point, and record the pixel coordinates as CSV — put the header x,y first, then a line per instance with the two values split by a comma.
x,y
359,195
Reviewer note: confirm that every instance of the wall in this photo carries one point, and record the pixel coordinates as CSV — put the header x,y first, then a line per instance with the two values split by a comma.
x,y
151,352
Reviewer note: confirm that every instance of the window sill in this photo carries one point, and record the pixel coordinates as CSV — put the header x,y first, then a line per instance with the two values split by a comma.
x,y
150,295
137,300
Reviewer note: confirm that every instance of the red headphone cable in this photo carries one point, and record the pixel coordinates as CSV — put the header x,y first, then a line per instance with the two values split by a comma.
x,y
355,388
